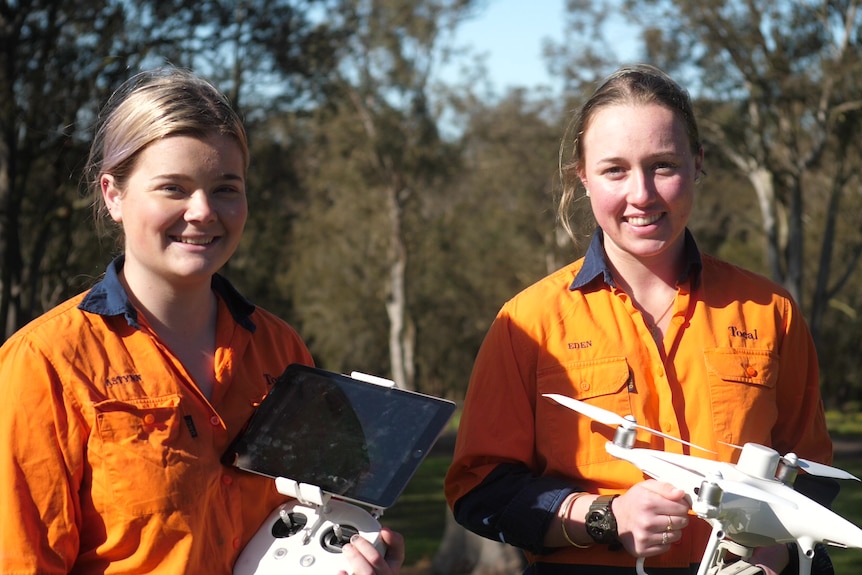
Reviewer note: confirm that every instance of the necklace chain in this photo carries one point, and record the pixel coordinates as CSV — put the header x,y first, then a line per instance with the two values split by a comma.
x,y
656,323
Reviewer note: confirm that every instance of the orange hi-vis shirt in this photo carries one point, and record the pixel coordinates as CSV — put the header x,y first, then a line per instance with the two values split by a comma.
x,y
109,453
737,365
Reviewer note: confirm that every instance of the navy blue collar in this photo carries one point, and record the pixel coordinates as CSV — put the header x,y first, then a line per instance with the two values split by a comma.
x,y
596,263
109,298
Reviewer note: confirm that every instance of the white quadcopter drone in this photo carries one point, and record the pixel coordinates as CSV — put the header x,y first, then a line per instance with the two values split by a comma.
x,y
750,504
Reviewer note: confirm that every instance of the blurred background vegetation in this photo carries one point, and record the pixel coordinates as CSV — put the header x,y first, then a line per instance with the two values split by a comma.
x,y
392,213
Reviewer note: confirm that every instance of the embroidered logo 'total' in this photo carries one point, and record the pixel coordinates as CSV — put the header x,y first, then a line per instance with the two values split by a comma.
x,y
736,332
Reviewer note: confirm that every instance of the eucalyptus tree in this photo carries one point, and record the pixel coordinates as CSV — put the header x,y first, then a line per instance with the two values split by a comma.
x,y
493,230
380,162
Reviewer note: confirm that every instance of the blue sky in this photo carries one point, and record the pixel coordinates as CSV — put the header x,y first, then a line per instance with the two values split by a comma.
x,y
510,33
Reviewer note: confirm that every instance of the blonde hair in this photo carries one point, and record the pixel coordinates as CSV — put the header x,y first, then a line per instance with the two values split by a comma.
x,y
150,106
633,84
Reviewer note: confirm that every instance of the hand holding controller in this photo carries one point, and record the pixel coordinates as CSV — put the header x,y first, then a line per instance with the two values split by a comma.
x,y
307,539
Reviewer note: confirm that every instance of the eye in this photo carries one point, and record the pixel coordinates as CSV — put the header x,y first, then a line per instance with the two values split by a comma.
x,y
614,172
228,190
665,167
172,189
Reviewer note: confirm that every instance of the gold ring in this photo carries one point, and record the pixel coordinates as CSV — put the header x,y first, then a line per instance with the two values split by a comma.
x,y
669,523
664,537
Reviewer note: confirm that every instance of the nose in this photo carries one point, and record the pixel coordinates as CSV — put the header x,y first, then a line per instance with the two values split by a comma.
x,y
200,207
641,189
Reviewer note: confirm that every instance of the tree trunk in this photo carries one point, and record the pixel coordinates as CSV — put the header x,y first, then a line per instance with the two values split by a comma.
x,y
401,330
761,180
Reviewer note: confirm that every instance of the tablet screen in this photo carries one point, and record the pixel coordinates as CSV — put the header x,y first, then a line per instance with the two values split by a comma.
x,y
355,440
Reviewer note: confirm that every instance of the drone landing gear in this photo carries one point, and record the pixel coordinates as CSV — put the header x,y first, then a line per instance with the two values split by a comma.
x,y
716,565
716,552
737,567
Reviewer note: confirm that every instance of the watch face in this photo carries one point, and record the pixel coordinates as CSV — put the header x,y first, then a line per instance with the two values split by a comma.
x,y
601,525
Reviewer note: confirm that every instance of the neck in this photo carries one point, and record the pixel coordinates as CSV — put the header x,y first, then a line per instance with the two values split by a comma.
x,y
639,279
637,274
651,283
183,311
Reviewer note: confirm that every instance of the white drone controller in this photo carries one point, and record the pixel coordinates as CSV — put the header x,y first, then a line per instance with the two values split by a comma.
x,y
305,537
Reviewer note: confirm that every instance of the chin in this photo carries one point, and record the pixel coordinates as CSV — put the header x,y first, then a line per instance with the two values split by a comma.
x,y
199,272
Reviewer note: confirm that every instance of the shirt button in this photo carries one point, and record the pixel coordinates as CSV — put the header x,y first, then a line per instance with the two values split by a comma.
x,y
236,543
227,480
585,386
214,420
750,371
678,320
149,419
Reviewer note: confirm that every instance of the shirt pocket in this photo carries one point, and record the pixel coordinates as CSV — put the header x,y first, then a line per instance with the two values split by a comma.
x,y
135,453
569,439
742,388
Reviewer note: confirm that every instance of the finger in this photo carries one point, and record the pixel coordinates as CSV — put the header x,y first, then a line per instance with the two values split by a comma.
x,y
395,550
676,522
363,557
663,488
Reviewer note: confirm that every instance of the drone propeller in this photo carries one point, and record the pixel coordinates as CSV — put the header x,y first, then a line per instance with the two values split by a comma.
x,y
611,418
812,467
822,470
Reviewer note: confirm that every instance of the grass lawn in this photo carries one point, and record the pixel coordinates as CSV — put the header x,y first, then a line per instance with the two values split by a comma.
x,y
420,512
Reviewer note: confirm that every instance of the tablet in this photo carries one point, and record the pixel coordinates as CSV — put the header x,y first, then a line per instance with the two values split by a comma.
x,y
355,440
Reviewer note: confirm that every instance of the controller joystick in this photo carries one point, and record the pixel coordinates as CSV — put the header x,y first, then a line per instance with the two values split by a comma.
x,y
288,524
336,537
306,539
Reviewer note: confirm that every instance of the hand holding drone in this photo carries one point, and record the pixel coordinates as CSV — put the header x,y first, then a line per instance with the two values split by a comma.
x,y
748,505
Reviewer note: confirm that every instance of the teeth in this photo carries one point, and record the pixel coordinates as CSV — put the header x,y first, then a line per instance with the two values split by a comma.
x,y
643,220
195,241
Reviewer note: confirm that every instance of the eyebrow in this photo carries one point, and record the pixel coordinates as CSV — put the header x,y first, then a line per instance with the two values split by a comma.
x,y
230,176
660,155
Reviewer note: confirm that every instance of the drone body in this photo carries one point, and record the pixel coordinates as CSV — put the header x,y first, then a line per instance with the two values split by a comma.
x,y
749,504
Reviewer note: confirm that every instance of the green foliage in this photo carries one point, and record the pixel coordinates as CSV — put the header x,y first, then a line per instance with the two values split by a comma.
x,y
847,422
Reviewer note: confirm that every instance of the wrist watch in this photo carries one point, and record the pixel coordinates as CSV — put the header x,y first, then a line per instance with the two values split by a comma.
x,y
600,521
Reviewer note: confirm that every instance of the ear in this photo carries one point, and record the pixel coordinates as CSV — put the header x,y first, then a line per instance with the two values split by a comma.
x,y
112,196
583,177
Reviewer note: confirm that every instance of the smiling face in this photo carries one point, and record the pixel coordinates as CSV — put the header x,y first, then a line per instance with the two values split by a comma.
x,y
639,169
182,209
